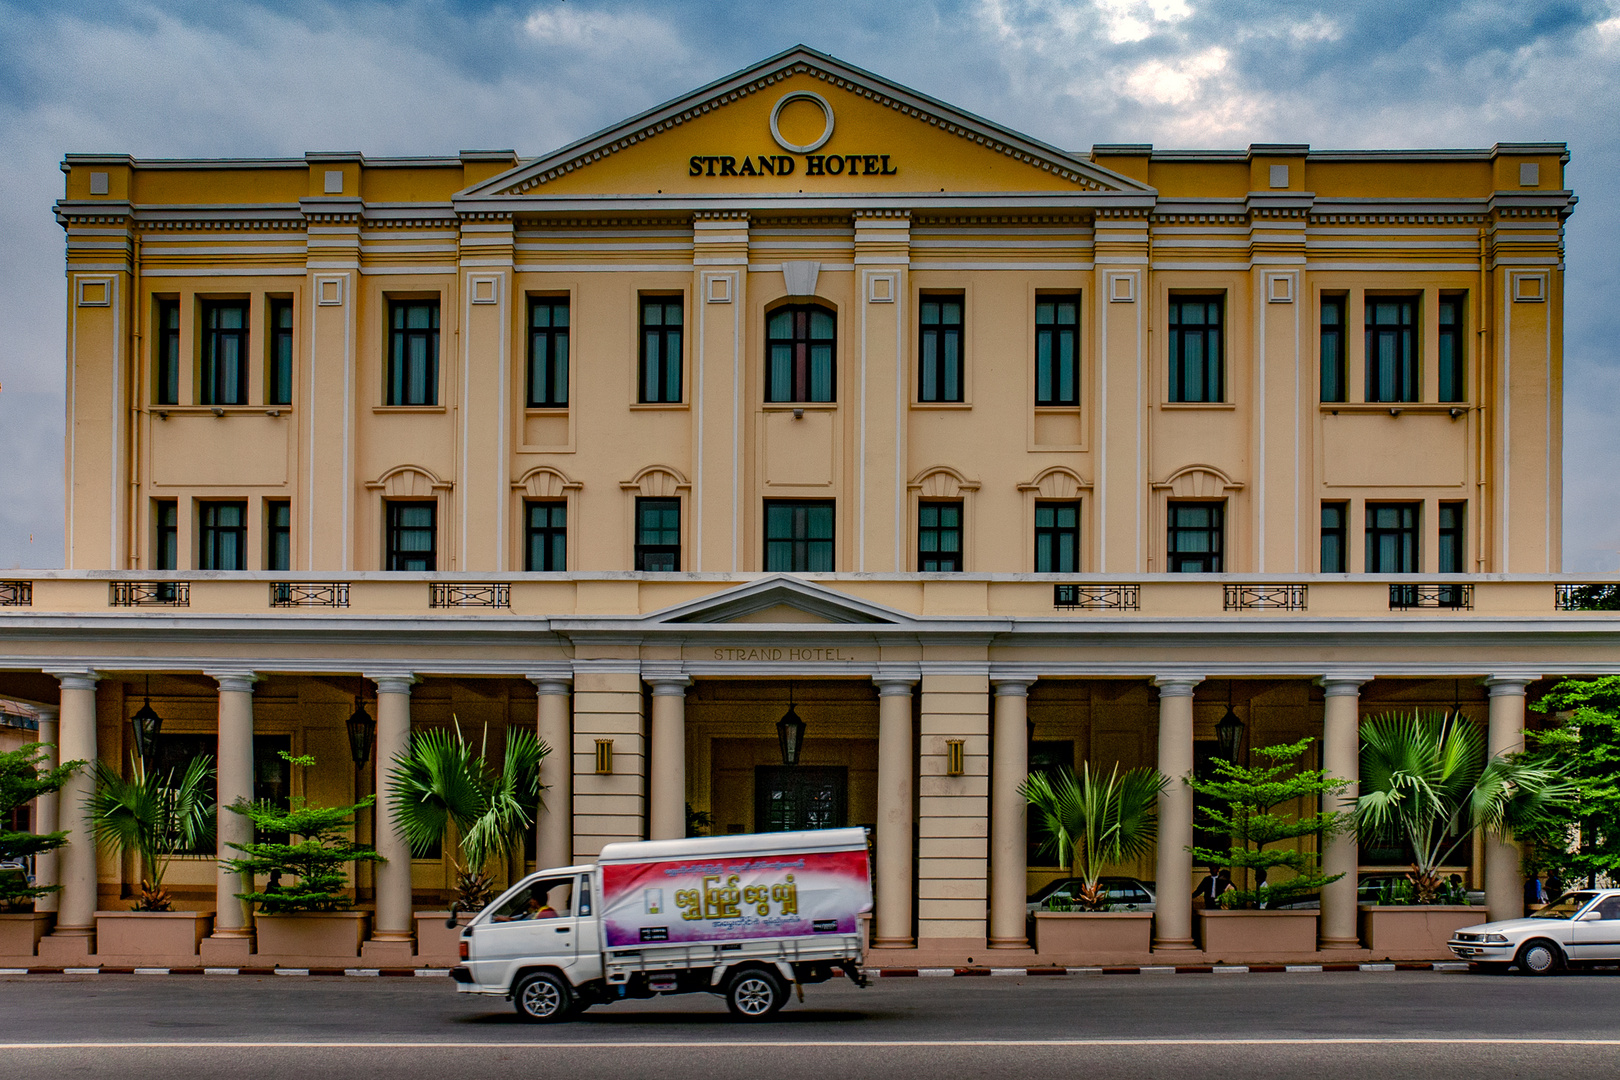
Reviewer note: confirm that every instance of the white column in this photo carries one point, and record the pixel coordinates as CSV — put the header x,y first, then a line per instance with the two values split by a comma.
x,y
1009,836
1172,919
76,860
897,780
554,827
234,773
45,807
1504,878
666,752
1341,759
393,919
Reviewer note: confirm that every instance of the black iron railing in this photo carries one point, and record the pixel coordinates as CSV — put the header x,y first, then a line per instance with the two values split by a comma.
x,y
1265,597
1412,597
483,594
333,594
1072,596
149,594
16,593
1593,597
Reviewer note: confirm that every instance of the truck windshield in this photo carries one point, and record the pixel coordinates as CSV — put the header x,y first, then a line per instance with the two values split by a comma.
x,y
1565,907
549,898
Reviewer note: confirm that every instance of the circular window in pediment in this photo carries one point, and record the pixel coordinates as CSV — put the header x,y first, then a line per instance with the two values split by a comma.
x,y
801,122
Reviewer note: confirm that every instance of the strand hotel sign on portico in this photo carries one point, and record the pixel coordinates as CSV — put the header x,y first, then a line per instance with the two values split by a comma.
x,y
801,113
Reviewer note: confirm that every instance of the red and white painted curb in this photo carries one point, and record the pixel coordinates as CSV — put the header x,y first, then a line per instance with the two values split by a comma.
x,y
885,973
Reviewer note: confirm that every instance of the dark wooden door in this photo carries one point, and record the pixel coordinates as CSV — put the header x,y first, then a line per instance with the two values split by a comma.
x,y
791,797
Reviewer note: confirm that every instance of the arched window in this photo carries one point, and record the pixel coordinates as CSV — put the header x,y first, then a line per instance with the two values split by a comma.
x,y
800,344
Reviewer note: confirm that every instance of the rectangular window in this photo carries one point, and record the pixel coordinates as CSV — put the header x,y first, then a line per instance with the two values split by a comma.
x,y
1197,534
799,536
1196,364
166,360
1334,361
1057,350
224,353
800,341
939,537
658,535
1392,366
1392,538
281,353
546,526
1452,519
939,348
548,353
413,352
660,381
1453,351
278,535
413,536
222,536
1334,552
165,535
1057,537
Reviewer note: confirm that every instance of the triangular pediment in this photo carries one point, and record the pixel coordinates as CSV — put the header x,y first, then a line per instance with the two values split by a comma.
x,y
837,129
780,600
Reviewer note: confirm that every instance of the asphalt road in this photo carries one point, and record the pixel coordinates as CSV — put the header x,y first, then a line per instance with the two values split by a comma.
x,y
1347,1026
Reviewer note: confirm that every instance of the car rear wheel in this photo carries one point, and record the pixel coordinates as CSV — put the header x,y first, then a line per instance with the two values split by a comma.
x,y
1540,958
755,994
543,998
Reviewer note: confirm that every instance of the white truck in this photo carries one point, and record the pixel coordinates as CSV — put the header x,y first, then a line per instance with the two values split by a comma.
x,y
745,917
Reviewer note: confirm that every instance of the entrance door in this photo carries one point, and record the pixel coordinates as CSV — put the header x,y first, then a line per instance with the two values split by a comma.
x,y
792,797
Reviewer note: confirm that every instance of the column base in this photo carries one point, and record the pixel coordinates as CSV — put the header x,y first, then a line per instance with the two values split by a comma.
x,y
223,950
1008,943
1326,944
1174,945
388,952
70,948
894,943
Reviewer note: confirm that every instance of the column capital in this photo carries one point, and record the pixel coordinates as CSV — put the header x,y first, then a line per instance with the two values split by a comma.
x,y
667,684
895,685
235,682
75,678
393,682
552,685
47,713
1177,685
1338,685
1508,685
1013,685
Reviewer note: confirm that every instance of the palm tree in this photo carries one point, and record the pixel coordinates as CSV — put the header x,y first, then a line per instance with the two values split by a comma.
x,y
155,816
1092,821
1425,780
440,784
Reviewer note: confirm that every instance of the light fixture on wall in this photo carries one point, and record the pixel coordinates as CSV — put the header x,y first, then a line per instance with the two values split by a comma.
x,y
955,757
146,725
1229,732
604,757
362,732
790,732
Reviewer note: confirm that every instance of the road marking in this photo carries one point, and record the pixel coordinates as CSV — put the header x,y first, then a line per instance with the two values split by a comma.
x,y
774,1044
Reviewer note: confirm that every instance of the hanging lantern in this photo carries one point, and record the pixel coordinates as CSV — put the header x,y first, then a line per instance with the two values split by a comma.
x,y
790,730
146,725
362,730
1229,734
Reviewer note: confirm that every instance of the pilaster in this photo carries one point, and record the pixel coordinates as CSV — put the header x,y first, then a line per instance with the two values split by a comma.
x,y
882,271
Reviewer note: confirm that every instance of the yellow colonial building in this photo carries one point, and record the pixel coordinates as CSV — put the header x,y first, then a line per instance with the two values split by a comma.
x,y
805,390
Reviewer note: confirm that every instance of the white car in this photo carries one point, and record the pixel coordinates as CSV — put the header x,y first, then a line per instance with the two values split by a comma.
x,y
1578,928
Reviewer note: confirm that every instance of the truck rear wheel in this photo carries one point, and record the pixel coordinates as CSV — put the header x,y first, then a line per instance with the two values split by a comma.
x,y
543,998
755,994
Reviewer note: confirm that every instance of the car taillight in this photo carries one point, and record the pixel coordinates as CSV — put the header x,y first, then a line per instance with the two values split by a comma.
x,y
464,948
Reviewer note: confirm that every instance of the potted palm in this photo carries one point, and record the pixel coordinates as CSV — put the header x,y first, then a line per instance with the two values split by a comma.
x,y
446,792
305,910
23,778
1427,784
153,816
1092,821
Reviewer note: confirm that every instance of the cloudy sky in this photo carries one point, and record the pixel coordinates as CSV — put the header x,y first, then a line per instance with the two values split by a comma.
x,y
216,79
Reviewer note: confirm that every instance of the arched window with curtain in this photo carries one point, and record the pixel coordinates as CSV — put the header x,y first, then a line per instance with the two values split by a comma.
x,y
801,342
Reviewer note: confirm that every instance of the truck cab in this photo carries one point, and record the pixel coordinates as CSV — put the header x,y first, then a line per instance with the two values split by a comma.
x,y
545,922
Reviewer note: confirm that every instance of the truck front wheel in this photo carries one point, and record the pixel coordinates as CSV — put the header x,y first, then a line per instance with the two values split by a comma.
x,y
755,994
543,998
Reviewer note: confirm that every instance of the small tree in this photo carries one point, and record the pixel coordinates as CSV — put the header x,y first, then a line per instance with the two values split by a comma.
x,y
1425,781
24,778
1253,806
1580,838
441,785
1091,821
313,854
156,816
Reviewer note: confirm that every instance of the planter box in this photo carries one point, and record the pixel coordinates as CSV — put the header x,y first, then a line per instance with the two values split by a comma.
x,y
1093,933
1415,932
436,943
1243,936
331,935
20,931
151,934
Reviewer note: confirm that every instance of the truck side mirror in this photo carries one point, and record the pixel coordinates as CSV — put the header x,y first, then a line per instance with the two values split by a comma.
x,y
450,923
